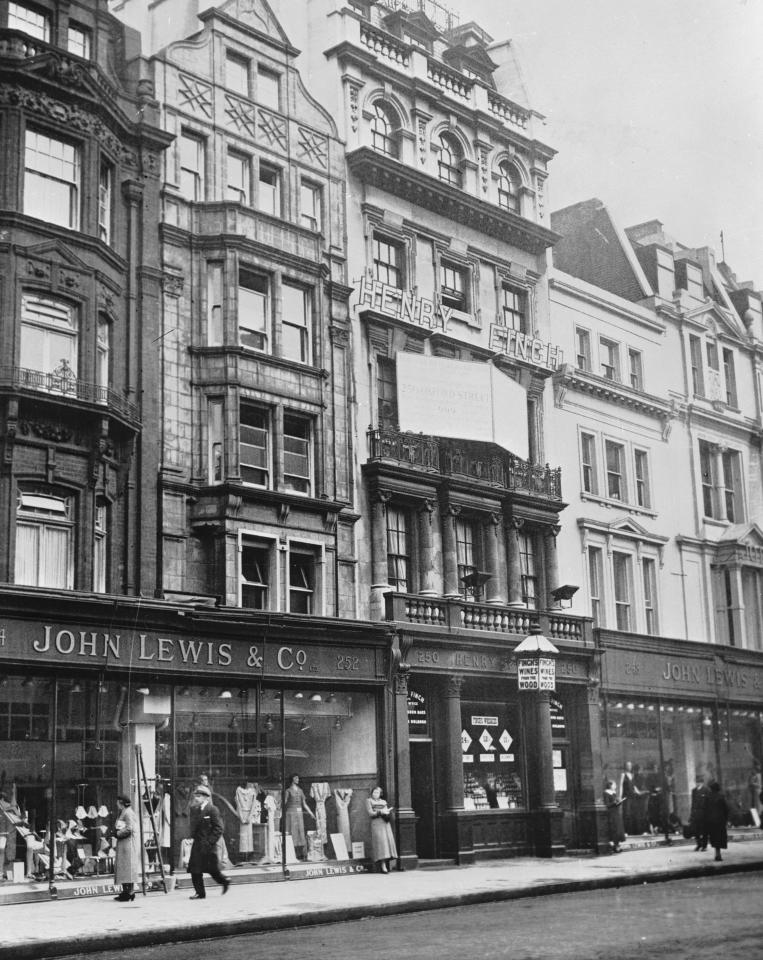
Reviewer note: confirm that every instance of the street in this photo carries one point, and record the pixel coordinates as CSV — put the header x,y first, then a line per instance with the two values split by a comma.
x,y
697,919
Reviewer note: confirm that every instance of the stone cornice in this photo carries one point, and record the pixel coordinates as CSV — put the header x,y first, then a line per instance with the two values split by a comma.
x,y
427,191
634,313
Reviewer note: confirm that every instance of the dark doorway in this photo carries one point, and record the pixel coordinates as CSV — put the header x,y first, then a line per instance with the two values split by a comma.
x,y
423,798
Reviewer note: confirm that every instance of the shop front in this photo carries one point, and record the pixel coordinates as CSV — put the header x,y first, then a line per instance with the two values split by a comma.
x,y
281,717
675,715
494,770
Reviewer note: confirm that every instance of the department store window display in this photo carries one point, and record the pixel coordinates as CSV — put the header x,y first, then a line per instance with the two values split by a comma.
x,y
316,747
66,726
491,755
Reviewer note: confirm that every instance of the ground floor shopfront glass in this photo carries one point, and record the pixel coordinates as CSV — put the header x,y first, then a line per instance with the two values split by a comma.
x,y
289,768
674,714
656,751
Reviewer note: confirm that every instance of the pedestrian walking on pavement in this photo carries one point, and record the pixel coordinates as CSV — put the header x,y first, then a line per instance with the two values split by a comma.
x,y
127,855
206,830
716,818
383,847
614,807
698,813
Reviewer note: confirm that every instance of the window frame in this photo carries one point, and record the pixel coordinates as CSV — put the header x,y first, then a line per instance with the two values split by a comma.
x,y
264,427
43,32
596,583
233,59
449,169
696,362
268,586
588,464
387,272
273,77
106,201
303,330
385,141
517,311
187,141
244,169
58,521
636,369
386,392
731,465
312,554
301,484
583,340
101,525
452,297
467,553
623,602
620,473
215,440
649,590
729,377
612,350
528,569
510,199
311,219
274,206
47,331
642,478
36,179
396,536
86,43
261,334
708,479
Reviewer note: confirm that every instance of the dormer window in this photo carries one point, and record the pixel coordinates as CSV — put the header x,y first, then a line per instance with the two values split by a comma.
x,y
383,128
449,160
509,183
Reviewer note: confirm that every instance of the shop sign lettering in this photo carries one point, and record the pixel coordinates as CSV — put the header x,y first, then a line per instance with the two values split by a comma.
x,y
673,673
484,721
330,870
50,643
519,346
725,676
417,712
536,674
403,305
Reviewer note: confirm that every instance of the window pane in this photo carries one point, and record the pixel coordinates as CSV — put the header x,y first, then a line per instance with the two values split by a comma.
x,y
269,193
51,180
255,576
238,178
301,583
295,325
268,92
253,310
31,21
237,74
621,570
310,206
78,41
296,454
254,447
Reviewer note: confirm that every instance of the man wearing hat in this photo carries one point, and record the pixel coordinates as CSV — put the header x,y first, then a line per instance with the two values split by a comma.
x,y
206,830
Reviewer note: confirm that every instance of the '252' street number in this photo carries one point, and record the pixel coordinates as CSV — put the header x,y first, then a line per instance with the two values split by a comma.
x,y
347,663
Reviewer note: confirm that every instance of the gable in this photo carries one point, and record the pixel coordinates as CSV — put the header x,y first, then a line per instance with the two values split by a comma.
x,y
257,15
716,321
55,251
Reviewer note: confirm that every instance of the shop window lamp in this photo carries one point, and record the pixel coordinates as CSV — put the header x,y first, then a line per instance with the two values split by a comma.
x,y
145,691
316,698
224,695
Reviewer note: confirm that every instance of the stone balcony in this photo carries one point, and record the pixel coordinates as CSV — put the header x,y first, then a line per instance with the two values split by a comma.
x,y
457,614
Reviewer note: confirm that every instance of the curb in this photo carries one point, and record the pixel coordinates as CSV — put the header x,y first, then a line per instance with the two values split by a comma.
x,y
120,940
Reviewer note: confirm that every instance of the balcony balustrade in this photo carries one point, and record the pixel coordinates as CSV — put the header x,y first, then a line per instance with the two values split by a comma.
x,y
451,615
61,383
435,455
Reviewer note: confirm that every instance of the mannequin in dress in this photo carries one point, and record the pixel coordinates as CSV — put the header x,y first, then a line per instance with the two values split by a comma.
x,y
342,798
248,810
296,807
320,791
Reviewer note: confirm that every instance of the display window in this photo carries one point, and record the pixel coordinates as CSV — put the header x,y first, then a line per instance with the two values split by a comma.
x,y
491,752
655,754
289,770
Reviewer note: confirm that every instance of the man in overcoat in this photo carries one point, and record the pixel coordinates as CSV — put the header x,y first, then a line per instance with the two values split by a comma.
x,y
206,830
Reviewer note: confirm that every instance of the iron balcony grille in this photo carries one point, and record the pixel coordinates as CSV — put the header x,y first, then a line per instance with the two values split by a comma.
x,y
62,383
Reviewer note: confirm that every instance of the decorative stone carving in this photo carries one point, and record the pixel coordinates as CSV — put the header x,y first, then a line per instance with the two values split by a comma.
x,y
454,683
422,139
172,284
239,115
272,129
38,269
194,97
312,147
46,430
354,106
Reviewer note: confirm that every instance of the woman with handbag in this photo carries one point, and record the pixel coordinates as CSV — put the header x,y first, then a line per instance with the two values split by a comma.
x,y
383,847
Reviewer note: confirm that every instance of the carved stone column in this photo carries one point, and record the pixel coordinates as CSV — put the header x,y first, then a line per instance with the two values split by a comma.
x,y
455,769
495,551
427,566
379,574
451,586
515,571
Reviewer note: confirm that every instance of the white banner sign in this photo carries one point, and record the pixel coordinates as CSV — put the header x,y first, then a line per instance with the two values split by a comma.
x,y
467,401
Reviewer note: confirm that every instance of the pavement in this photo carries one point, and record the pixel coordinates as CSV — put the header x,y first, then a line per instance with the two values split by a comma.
x,y
77,927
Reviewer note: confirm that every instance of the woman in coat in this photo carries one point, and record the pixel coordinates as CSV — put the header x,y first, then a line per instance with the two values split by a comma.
x,y
127,857
716,818
383,847
614,816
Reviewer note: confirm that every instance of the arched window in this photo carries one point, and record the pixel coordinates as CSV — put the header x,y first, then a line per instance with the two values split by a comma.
x,y
509,183
383,129
448,164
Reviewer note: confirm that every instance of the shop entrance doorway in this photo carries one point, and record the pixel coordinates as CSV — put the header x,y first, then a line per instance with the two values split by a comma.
x,y
423,799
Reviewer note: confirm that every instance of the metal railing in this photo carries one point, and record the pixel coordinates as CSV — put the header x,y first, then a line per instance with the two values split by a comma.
x,y
63,384
504,470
